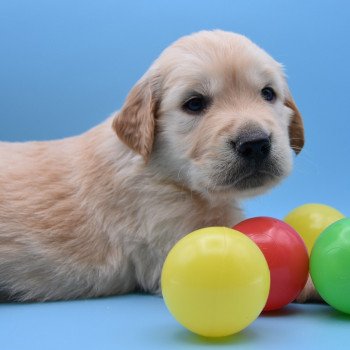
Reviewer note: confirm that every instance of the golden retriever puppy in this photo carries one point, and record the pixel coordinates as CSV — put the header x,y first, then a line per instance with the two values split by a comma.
x,y
210,123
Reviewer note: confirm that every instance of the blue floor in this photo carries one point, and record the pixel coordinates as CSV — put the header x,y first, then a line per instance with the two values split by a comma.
x,y
143,322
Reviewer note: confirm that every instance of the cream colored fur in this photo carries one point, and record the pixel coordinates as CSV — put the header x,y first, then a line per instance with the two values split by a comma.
x,y
96,214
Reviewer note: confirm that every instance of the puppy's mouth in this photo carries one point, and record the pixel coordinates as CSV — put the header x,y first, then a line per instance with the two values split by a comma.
x,y
249,177
253,180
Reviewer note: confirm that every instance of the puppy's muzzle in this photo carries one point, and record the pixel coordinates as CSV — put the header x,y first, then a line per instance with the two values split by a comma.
x,y
252,145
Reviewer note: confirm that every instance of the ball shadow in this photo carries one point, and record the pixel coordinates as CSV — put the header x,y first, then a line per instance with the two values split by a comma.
x,y
287,311
183,336
339,316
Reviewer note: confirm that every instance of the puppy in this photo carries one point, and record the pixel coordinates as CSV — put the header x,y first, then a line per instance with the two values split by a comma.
x,y
210,123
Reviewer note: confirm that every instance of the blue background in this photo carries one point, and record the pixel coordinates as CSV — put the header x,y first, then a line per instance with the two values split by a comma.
x,y
66,65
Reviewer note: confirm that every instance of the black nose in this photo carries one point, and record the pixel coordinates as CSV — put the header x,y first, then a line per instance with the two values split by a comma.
x,y
253,145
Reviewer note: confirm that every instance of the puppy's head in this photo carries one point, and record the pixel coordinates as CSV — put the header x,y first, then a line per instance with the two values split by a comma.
x,y
214,113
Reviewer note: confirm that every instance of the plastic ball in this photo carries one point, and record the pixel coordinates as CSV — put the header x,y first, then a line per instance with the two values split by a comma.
x,y
330,265
286,256
309,220
215,281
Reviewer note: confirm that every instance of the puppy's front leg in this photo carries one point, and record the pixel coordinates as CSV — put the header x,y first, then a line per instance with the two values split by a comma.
x,y
309,294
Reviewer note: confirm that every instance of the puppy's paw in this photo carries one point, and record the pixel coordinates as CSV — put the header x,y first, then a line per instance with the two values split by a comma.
x,y
309,294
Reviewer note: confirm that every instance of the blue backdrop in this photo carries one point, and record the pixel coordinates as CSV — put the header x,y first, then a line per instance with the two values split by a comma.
x,y
65,65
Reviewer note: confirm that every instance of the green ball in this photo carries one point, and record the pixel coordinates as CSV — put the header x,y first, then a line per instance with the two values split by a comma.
x,y
330,265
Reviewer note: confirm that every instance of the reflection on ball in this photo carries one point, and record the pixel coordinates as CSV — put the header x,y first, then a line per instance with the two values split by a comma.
x,y
215,281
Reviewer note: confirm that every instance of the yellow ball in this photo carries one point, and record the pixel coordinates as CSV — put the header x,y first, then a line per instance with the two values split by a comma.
x,y
215,281
309,220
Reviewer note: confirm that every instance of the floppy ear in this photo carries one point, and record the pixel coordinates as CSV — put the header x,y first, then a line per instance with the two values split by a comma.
x,y
296,127
135,123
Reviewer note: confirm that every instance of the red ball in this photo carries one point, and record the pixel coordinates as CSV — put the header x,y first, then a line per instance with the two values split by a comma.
x,y
286,255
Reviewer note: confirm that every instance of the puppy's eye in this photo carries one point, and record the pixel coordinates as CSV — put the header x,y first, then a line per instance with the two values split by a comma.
x,y
268,94
196,104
